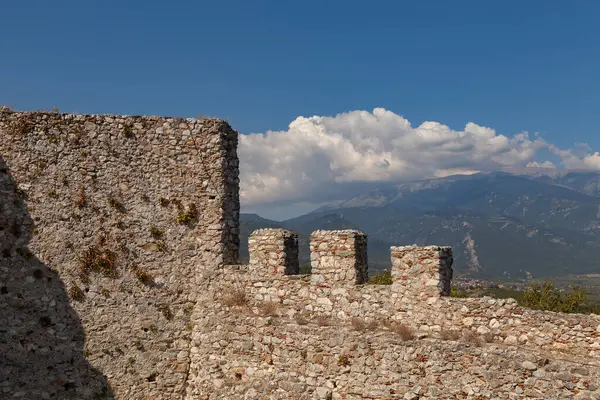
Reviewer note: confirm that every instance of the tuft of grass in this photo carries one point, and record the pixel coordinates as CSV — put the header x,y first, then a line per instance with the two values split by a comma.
x,y
358,324
382,278
450,334
189,216
300,319
81,200
116,204
161,246
470,337
144,277
404,331
76,293
163,202
343,360
166,311
236,298
95,259
52,193
269,309
128,131
155,232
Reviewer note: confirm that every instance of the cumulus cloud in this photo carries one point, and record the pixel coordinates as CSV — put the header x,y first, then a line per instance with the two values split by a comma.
x,y
324,159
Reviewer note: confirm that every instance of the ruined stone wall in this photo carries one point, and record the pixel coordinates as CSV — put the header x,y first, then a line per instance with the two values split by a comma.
x,y
107,224
294,336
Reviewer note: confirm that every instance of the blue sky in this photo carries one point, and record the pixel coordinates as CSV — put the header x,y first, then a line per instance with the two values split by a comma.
x,y
513,65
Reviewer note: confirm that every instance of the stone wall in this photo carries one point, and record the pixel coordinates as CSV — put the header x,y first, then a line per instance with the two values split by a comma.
x,y
118,279
107,225
293,336
338,256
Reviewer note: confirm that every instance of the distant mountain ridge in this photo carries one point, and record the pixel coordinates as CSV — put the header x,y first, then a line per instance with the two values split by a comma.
x,y
499,223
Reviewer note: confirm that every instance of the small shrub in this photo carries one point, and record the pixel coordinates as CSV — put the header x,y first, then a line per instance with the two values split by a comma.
x,y
189,216
488,337
236,298
544,296
358,324
76,293
166,311
52,193
161,246
81,198
128,131
144,277
145,198
163,202
382,278
470,337
404,331
456,292
105,292
116,204
268,308
24,252
101,260
155,232
450,334
300,319
343,360
373,325
138,345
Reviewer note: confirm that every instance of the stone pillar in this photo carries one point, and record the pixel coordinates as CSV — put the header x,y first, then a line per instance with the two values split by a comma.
x,y
339,257
273,252
422,271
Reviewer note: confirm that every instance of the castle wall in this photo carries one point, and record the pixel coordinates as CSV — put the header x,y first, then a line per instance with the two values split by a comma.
x,y
295,336
107,226
118,279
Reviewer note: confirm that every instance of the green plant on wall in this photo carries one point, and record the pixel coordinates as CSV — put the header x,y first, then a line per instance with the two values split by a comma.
x,y
544,296
94,259
188,216
381,278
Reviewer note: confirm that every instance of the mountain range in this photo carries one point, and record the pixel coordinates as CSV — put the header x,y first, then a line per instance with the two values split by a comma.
x,y
511,224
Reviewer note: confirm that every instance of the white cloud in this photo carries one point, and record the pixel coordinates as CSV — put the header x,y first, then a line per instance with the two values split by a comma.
x,y
320,159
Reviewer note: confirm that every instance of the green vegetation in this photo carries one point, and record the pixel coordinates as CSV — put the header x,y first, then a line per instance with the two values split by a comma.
x,y
101,260
544,296
305,269
381,278
76,293
343,361
539,296
155,232
189,216
144,277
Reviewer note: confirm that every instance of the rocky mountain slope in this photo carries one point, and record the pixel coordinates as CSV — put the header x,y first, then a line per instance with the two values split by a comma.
x,y
499,224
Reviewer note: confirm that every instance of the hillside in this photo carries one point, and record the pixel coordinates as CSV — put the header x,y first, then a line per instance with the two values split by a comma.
x,y
499,224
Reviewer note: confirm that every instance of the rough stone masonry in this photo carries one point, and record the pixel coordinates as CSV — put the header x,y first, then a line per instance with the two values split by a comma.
x,y
119,279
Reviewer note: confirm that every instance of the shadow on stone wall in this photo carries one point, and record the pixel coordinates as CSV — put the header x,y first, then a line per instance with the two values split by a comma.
x,y
41,336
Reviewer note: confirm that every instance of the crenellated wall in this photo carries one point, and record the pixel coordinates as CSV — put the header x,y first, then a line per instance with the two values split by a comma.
x,y
118,280
330,335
